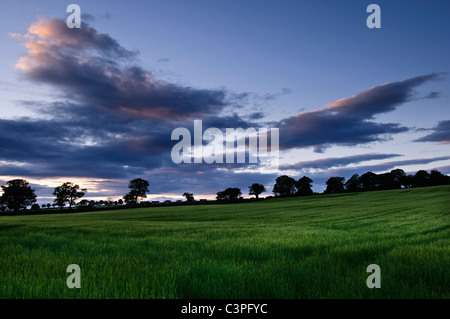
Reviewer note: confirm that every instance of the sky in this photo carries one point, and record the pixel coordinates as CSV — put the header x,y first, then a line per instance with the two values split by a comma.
x,y
97,105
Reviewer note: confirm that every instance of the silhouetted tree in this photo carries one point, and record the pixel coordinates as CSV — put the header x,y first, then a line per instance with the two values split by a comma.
x,y
35,207
421,179
304,186
335,185
189,197
353,184
138,190
386,181
437,178
220,196
109,201
120,201
17,194
68,193
256,189
369,181
233,193
230,193
84,203
408,181
398,176
284,186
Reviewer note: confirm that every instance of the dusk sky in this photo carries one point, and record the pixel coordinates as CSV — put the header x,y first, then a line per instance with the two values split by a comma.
x,y
97,105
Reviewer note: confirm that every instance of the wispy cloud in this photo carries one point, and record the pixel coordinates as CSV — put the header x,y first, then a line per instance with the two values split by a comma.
x,y
330,162
440,134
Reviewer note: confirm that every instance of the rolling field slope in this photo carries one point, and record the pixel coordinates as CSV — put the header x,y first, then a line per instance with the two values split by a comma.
x,y
304,247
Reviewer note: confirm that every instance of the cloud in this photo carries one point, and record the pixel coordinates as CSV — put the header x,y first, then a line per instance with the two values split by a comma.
x,y
386,166
441,134
87,17
327,163
256,116
64,148
163,60
92,69
350,121
273,96
433,95
112,119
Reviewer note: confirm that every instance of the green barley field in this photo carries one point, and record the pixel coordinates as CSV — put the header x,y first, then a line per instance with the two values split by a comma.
x,y
310,247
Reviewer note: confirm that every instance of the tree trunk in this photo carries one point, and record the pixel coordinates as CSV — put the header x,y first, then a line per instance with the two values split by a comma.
x,y
70,202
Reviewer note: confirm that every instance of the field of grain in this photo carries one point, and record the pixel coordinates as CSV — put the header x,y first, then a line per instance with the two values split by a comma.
x,y
303,247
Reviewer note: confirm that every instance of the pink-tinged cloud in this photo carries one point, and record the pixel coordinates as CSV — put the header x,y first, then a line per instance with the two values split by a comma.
x,y
93,70
350,121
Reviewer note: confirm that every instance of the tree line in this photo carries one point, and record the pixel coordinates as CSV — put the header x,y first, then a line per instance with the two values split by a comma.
x,y
18,194
395,179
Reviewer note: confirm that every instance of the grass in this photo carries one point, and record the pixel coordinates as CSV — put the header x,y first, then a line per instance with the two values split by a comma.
x,y
310,247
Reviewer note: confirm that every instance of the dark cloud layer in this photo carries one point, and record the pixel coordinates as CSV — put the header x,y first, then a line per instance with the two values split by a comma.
x,y
441,134
326,163
114,119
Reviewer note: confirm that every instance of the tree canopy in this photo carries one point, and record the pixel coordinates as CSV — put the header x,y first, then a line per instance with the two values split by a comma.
x,y
353,184
256,189
230,193
335,185
189,197
17,194
285,186
304,186
68,193
138,190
